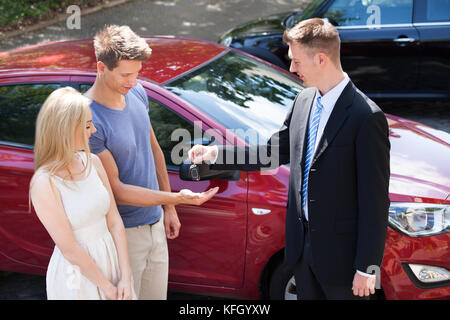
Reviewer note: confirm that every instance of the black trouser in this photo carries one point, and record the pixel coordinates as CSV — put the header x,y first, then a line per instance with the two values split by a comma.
x,y
308,287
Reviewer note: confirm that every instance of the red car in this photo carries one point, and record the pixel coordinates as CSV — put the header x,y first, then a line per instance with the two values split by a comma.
x,y
232,246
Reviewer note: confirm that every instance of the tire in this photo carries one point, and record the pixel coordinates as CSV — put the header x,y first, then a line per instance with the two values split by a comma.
x,y
282,283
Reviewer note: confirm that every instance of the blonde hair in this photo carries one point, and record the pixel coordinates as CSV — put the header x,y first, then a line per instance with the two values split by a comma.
x,y
115,43
64,110
317,35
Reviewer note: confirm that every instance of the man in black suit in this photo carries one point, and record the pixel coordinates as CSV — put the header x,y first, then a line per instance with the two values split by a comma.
x,y
337,142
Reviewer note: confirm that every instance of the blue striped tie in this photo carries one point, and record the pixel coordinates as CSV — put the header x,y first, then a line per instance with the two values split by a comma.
x,y
310,147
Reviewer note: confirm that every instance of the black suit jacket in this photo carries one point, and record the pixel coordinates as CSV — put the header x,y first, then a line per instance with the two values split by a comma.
x,y
348,183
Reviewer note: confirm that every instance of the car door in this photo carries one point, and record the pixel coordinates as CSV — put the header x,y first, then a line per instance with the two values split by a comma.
x,y
432,20
25,245
210,249
378,44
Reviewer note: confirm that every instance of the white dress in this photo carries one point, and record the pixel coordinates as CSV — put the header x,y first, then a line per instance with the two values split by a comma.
x,y
86,203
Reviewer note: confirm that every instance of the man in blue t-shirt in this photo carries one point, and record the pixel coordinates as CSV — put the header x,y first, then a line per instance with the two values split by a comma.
x,y
129,151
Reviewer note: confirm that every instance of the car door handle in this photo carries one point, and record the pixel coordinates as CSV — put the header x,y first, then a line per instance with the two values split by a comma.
x,y
404,40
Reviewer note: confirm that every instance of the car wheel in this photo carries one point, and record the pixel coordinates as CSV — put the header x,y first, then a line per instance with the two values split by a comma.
x,y
282,283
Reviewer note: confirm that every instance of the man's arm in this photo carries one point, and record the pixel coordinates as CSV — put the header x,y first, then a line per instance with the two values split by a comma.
x,y
372,165
126,194
373,172
171,221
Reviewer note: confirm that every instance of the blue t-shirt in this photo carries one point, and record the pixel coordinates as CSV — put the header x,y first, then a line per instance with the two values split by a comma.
x,y
126,134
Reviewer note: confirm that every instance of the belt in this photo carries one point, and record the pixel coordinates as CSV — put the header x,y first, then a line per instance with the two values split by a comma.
x,y
146,225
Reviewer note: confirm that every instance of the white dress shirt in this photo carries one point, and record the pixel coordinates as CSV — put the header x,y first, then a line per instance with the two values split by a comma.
x,y
328,101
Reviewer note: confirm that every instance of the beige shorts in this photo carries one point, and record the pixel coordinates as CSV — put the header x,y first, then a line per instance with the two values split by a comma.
x,y
149,260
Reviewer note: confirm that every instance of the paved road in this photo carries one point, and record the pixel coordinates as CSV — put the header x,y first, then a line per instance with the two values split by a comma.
x,y
202,19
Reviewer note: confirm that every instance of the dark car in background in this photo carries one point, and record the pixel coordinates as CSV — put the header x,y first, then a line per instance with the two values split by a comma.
x,y
396,49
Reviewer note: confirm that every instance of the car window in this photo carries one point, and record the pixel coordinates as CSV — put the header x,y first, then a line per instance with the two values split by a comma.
x,y
248,97
369,12
19,106
175,134
438,10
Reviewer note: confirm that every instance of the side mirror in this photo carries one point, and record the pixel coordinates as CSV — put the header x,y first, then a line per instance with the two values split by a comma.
x,y
197,172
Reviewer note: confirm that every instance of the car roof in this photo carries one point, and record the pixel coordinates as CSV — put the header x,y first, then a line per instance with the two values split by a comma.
x,y
171,57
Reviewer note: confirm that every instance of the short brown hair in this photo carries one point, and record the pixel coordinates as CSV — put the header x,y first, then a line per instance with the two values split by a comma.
x,y
318,35
115,43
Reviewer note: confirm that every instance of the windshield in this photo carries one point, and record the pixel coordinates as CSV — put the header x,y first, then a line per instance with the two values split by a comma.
x,y
240,93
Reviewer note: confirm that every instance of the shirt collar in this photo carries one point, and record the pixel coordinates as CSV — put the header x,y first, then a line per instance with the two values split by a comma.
x,y
330,98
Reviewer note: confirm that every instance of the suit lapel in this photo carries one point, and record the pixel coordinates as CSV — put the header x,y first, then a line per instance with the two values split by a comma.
x,y
337,118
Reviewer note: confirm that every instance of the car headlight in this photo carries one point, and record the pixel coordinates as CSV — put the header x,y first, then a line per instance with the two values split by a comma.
x,y
226,41
420,219
430,274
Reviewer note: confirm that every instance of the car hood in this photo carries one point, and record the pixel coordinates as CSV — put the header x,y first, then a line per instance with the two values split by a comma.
x,y
420,158
268,25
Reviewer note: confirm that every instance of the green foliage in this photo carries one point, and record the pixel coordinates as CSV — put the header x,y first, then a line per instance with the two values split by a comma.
x,y
13,12
19,106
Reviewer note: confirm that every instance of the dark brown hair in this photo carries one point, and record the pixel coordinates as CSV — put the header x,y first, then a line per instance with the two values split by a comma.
x,y
115,43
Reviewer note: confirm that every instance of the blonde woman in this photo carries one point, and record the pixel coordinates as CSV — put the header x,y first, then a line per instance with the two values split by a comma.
x,y
73,200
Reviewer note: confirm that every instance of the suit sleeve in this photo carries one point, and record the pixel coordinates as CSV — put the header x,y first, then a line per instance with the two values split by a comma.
x,y
373,171
271,155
